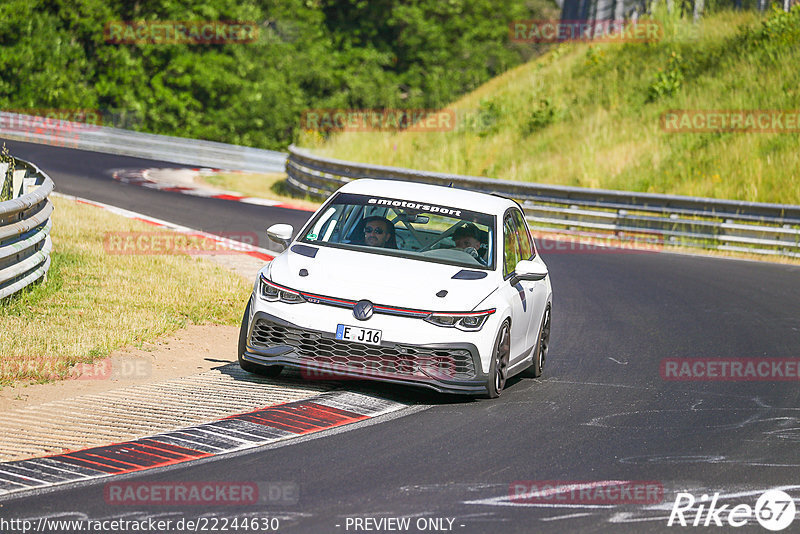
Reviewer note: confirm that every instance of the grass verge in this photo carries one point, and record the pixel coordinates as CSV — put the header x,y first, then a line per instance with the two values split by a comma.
x,y
93,302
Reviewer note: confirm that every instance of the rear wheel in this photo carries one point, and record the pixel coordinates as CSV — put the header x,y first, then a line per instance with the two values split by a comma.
x,y
250,367
498,371
540,352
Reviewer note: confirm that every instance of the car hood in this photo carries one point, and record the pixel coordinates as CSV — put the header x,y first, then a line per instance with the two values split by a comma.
x,y
387,280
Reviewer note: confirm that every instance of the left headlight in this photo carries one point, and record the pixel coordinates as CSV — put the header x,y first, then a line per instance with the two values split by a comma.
x,y
468,321
274,292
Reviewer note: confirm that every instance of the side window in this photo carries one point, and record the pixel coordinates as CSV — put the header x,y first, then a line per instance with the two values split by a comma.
x,y
525,243
511,252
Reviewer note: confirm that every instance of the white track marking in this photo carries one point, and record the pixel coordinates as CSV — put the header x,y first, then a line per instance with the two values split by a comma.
x,y
568,516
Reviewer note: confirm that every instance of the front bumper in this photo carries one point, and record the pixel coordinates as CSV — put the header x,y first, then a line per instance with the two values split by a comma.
x,y
445,367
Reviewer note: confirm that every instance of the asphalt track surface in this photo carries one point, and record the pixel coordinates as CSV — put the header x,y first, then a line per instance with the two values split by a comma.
x,y
601,412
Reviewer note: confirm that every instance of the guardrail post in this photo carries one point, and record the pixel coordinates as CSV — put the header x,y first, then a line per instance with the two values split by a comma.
x,y
3,178
17,181
28,185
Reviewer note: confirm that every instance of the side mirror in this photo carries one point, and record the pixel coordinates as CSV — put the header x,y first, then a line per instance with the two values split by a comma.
x,y
281,234
528,270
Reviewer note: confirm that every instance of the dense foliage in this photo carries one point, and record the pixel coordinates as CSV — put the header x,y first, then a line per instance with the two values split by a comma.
x,y
308,54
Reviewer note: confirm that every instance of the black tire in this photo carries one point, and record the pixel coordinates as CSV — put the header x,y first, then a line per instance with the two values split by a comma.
x,y
540,352
250,367
498,371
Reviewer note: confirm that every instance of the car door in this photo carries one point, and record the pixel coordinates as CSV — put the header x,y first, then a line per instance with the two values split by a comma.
x,y
536,292
516,295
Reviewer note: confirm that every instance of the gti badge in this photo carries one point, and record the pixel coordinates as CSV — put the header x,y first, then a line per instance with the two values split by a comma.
x,y
362,310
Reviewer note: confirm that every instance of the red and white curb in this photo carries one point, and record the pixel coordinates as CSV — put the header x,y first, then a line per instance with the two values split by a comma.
x,y
182,181
222,242
235,433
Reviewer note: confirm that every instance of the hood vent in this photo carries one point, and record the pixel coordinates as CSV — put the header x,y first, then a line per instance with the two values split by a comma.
x,y
305,250
465,274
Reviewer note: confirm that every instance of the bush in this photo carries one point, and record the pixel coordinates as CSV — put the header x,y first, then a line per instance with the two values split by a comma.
x,y
542,116
668,80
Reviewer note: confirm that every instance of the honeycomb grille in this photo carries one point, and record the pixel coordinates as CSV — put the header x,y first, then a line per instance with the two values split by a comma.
x,y
347,356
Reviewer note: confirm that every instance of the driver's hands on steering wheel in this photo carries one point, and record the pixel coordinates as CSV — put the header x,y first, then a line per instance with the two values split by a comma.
x,y
474,253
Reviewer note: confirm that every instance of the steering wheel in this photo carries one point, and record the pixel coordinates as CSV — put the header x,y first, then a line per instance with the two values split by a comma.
x,y
474,253
401,242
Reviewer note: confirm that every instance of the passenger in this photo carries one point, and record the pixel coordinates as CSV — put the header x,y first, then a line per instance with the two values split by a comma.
x,y
379,232
468,239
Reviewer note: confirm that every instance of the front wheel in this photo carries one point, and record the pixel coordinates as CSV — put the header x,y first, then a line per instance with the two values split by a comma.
x,y
540,352
498,370
250,367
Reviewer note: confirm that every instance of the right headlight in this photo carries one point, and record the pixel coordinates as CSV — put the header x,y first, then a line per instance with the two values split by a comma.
x,y
468,321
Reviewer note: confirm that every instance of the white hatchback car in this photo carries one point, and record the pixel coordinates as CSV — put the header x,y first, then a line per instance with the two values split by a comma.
x,y
407,283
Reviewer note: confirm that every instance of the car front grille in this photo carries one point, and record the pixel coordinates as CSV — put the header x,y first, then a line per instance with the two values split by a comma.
x,y
329,354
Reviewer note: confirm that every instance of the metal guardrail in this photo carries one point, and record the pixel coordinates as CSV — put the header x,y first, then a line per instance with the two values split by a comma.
x,y
141,145
644,218
24,227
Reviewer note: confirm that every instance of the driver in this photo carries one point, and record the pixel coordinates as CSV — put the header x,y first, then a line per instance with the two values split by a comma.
x,y
467,238
379,232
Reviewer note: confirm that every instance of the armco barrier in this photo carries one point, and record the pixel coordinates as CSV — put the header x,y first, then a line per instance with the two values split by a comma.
x,y
24,227
97,138
647,218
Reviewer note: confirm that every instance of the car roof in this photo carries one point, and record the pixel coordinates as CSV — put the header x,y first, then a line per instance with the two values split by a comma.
x,y
433,194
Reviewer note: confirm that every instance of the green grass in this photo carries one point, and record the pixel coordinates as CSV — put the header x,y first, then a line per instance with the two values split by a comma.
x,y
589,115
93,302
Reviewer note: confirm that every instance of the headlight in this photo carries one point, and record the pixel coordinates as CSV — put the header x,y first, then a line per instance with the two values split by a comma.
x,y
469,321
273,292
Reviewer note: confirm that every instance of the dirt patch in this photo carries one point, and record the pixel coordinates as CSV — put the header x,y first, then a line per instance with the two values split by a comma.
x,y
192,350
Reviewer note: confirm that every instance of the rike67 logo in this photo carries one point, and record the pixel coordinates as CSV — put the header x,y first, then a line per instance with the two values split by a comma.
x,y
774,510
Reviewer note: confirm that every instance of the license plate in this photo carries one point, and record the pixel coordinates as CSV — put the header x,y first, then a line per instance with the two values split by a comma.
x,y
358,334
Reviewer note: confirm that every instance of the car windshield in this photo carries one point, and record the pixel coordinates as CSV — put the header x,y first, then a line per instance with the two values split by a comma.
x,y
405,228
